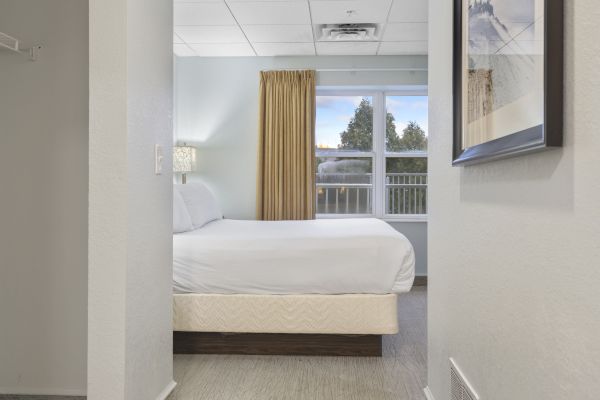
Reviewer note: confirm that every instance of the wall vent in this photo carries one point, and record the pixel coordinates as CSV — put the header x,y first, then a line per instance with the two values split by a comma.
x,y
460,389
348,32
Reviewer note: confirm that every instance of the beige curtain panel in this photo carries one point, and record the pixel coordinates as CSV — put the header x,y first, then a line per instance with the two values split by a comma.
x,y
286,153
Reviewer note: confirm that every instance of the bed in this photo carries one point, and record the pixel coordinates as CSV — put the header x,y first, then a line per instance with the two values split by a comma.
x,y
324,287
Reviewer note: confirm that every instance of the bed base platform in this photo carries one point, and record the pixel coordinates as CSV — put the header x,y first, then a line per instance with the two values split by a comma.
x,y
277,344
336,325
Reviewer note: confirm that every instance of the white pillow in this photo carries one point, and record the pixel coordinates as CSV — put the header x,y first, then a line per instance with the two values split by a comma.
x,y
200,202
182,222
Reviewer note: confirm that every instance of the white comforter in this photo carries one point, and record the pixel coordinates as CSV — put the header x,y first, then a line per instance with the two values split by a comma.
x,y
327,256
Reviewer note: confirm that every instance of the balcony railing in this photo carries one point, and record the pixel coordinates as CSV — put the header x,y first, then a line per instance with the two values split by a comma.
x,y
406,194
350,193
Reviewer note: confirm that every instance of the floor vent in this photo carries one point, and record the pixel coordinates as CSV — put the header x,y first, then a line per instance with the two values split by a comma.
x,y
460,389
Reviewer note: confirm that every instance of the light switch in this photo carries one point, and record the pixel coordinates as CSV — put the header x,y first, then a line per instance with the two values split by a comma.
x,y
158,159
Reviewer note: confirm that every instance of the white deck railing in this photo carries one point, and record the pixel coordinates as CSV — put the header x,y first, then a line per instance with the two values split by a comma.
x,y
405,194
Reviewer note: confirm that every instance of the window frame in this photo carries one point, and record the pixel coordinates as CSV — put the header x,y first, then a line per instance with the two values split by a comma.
x,y
378,154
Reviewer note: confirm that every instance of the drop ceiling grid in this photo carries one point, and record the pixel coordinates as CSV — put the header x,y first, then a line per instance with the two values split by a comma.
x,y
287,27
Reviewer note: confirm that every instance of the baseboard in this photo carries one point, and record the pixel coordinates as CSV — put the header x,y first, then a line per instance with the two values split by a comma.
x,y
428,393
21,391
76,394
420,280
167,391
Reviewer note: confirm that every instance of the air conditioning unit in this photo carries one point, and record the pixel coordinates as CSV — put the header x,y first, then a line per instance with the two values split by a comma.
x,y
348,32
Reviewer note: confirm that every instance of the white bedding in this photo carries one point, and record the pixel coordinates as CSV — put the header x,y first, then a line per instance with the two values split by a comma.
x,y
326,256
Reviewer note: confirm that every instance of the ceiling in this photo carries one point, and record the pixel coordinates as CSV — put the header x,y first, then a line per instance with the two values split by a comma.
x,y
217,28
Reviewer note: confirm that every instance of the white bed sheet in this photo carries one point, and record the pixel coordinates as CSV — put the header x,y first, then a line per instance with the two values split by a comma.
x,y
326,256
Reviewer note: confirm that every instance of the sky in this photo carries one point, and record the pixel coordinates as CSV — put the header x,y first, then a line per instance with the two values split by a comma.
x,y
334,113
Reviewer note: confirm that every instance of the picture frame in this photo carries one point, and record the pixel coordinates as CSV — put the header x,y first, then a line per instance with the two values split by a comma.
x,y
507,78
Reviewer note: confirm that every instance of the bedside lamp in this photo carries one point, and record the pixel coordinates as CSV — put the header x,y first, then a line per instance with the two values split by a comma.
x,y
183,160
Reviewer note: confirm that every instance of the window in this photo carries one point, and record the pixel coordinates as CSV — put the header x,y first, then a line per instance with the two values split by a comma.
x,y
371,154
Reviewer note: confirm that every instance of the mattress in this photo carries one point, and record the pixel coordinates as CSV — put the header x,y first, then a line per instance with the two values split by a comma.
x,y
331,256
360,314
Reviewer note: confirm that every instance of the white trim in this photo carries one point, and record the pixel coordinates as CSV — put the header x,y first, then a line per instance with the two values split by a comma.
x,y
405,218
379,130
341,216
428,393
408,92
386,218
406,154
418,90
43,391
167,390
343,153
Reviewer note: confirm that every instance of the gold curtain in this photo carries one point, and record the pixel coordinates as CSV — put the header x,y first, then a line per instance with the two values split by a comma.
x,y
286,152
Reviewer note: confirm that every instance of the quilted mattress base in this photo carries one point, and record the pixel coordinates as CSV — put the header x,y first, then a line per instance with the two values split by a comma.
x,y
355,314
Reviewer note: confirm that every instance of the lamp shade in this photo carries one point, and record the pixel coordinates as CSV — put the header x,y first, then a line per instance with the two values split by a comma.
x,y
183,158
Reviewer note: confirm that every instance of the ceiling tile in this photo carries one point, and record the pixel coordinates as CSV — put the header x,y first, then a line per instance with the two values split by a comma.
x,y
222,49
271,12
211,34
278,33
354,11
409,11
202,14
399,48
346,48
284,49
182,50
405,32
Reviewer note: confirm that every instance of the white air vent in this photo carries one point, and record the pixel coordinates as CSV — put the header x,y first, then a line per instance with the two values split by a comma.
x,y
347,32
9,42
460,389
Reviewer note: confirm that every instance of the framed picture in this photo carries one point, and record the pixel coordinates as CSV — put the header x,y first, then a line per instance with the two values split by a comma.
x,y
508,78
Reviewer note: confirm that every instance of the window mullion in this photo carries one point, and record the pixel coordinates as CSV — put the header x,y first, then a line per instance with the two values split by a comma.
x,y
379,150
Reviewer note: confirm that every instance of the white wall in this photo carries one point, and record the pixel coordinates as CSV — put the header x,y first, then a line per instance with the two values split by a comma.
x,y
416,232
43,197
514,274
217,110
130,216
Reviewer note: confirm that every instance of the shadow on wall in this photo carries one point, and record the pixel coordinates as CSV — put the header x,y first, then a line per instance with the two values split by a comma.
x,y
534,181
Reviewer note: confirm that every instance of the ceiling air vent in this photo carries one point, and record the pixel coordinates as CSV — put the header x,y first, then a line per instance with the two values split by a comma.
x,y
460,389
348,32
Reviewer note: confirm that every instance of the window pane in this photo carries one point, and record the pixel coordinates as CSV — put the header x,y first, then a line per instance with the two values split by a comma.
x,y
406,185
344,185
344,123
406,123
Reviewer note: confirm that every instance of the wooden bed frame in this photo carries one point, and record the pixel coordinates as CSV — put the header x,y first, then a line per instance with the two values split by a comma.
x,y
277,344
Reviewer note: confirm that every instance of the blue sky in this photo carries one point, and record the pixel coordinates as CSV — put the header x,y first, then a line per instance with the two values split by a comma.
x,y
334,113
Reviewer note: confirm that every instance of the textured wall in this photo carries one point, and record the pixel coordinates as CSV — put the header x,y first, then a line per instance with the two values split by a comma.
x,y
130,243
43,198
513,244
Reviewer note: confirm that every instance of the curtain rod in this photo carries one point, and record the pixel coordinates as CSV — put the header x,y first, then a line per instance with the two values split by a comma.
x,y
359,69
368,69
